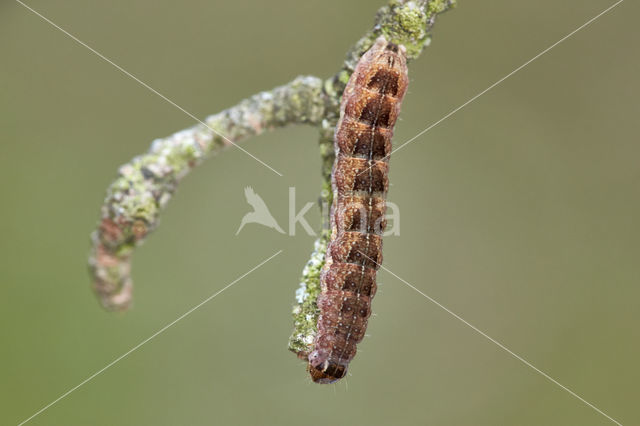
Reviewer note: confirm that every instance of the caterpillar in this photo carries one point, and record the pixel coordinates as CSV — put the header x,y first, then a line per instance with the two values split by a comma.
x,y
368,111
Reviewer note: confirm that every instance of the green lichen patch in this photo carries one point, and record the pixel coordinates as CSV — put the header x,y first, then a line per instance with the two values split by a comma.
x,y
409,23
305,312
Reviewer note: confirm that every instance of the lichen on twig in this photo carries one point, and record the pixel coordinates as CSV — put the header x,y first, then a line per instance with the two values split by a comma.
x,y
144,185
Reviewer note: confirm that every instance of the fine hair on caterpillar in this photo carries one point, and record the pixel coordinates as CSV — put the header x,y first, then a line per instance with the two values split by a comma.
x,y
360,180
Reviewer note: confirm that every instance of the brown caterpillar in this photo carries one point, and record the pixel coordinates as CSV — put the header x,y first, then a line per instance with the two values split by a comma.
x,y
368,111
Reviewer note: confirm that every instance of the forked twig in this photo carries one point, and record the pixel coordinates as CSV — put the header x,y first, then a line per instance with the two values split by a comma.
x,y
145,184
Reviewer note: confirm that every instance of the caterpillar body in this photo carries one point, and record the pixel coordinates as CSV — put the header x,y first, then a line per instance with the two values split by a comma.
x,y
369,109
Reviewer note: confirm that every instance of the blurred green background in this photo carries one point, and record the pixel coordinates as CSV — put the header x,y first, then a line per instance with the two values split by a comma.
x,y
519,213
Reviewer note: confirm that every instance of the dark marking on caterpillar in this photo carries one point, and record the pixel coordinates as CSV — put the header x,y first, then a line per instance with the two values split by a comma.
x,y
369,110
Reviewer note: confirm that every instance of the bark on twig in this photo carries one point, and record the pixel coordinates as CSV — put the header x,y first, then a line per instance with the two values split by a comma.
x,y
144,185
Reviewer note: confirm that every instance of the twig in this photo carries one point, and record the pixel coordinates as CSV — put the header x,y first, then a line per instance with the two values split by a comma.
x,y
144,185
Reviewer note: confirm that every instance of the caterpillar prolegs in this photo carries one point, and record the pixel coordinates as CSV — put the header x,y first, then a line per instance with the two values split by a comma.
x,y
368,111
